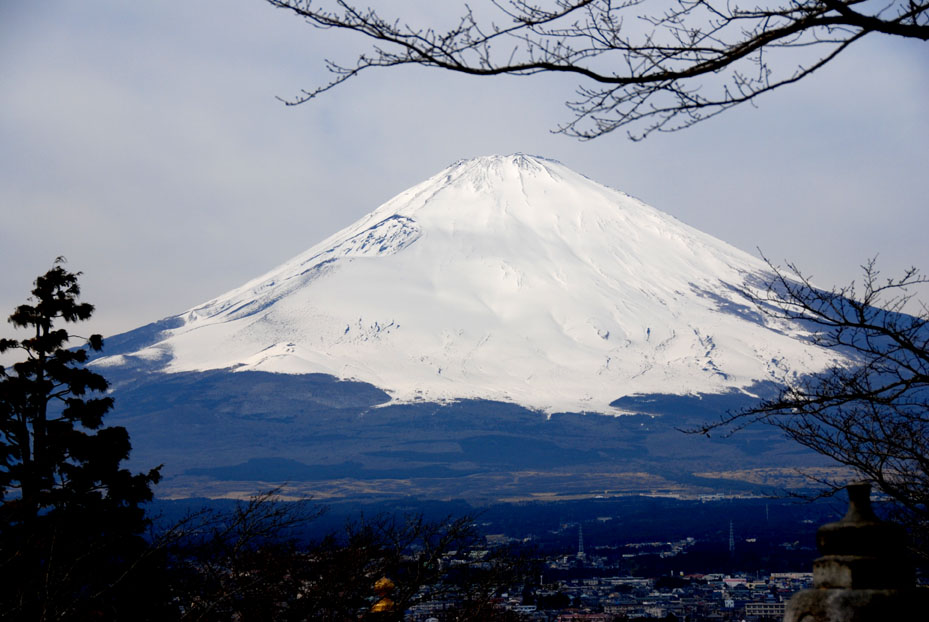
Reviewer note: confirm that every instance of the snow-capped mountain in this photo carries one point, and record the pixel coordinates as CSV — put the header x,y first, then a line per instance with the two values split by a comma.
x,y
507,278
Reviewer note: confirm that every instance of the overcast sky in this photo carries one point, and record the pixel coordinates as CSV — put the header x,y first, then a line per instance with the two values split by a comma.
x,y
143,141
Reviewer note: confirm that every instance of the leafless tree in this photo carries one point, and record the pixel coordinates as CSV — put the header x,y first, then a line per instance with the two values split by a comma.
x,y
643,65
246,564
409,552
243,563
425,561
870,413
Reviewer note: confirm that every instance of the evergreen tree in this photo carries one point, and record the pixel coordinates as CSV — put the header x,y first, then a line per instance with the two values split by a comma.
x,y
70,516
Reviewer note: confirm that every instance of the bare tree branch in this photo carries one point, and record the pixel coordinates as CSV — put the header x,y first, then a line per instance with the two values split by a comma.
x,y
871,414
641,68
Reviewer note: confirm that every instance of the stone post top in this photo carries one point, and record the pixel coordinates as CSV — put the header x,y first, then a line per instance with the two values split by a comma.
x,y
860,531
860,550
859,503
863,574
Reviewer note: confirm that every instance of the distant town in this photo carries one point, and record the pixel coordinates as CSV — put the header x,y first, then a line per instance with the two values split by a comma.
x,y
691,597
589,585
643,558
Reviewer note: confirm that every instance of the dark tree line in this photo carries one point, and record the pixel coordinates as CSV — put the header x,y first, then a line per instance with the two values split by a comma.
x,y
642,66
249,564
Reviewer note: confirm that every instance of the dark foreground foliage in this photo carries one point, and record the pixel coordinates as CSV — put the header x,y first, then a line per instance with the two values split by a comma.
x,y
71,520
247,564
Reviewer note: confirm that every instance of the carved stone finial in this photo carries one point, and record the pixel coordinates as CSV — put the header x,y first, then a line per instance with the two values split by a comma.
x,y
859,503
863,574
861,551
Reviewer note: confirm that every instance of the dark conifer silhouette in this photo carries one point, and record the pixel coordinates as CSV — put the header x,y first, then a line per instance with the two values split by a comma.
x,y
70,520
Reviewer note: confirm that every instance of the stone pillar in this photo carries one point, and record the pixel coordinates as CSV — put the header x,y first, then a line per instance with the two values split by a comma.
x,y
863,574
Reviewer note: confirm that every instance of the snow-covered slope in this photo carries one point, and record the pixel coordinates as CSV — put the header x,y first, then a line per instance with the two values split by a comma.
x,y
504,277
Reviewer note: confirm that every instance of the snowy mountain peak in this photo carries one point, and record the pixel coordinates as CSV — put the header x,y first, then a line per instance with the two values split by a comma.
x,y
487,171
501,277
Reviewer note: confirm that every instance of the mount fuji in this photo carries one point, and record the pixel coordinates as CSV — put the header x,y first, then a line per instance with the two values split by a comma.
x,y
506,329
508,278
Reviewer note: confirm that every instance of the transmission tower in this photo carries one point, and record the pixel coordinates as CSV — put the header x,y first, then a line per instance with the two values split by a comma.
x,y
580,541
731,540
